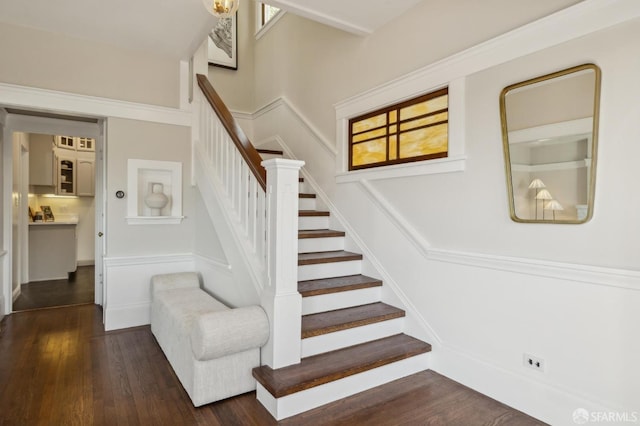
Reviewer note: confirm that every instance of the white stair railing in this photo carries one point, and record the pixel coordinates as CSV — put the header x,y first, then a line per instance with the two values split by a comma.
x,y
246,199
261,209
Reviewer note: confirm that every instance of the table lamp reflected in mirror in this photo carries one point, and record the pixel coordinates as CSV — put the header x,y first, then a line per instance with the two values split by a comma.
x,y
537,184
553,205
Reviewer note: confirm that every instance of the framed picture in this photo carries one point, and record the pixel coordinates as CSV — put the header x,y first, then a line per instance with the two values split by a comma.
x,y
223,43
48,214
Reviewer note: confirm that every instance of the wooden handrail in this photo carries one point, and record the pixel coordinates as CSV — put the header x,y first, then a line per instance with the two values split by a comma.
x,y
242,142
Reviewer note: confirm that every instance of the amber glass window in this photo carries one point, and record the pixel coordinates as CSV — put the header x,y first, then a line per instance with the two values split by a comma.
x,y
414,130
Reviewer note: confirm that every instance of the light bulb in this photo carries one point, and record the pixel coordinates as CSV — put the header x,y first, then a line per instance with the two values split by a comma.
x,y
221,8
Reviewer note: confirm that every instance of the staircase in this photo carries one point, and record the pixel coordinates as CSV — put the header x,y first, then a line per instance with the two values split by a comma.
x,y
350,340
334,336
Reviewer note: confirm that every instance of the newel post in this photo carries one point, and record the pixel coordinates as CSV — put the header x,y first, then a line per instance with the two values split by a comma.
x,y
280,298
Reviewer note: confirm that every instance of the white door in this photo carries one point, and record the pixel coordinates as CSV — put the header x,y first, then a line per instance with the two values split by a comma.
x,y
100,207
19,223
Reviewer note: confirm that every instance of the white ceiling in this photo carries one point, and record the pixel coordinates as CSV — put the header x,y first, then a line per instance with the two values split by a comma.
x,y
175,28
171,28
356,16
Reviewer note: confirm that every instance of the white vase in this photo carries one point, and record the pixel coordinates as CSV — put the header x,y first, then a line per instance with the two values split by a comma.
x,y
156,200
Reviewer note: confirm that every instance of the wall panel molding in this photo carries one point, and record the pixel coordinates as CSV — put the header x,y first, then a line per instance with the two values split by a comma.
x,y
127,283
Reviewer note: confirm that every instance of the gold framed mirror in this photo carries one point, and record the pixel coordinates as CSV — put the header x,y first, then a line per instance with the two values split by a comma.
x,y
550,138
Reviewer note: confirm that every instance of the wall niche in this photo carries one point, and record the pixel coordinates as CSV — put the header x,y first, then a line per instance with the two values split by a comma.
x,y
155,192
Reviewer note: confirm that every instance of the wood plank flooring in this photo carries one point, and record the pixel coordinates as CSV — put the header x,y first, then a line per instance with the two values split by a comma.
x,y
59,367
45,294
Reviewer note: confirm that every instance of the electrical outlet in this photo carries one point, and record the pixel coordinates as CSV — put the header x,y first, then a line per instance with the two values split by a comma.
x,y
533,362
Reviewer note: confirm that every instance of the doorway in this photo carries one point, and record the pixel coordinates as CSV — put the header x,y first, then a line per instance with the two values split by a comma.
x,y
56,260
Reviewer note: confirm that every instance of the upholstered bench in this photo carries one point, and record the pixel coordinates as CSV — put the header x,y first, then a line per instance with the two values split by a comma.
x,y
211,347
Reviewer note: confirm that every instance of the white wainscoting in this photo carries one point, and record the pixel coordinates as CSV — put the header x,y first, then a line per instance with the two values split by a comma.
x,y
127,283
127,286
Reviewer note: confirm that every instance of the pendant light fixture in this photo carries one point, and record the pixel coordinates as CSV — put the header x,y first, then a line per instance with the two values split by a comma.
x,y
221,8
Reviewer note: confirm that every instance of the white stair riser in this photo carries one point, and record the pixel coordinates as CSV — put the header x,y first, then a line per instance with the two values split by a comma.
x,y
328,270
290,405
353,336
313,245
313,222
344,299
306,203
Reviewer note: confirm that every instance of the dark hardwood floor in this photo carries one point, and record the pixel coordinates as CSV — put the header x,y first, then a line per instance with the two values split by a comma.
x,y
59,367
46,294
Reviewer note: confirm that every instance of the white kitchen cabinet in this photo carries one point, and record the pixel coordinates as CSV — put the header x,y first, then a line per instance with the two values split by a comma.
x,y
75,143
67,142
42,162
52,250
66,175
86,144
85,177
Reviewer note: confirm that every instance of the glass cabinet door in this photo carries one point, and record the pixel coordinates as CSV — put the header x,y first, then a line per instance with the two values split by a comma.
x,y
66,176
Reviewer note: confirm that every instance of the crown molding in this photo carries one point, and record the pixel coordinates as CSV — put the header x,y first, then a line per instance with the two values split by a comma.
x,y
51,100
568,24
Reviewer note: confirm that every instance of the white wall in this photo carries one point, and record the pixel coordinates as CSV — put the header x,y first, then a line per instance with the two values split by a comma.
x,y
54,61
211,261
234,86
132,139
316,66
133,251
491,289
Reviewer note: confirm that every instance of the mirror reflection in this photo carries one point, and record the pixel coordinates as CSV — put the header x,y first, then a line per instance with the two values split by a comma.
x,y
549,129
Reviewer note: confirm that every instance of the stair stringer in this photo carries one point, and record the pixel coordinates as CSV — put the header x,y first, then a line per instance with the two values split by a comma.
x,y
245,264
415,324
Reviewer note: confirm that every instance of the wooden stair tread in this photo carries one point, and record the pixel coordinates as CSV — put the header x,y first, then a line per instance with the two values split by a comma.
x,y
343,319
270,151
312,213
327,257
336,284
320,233
305,195
327,367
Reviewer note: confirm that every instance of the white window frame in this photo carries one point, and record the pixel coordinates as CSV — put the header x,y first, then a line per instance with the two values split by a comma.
x,y
395,92
262,29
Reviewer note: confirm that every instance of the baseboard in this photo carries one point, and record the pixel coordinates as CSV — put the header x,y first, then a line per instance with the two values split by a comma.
x,y
547,402
125,316
220,266
88,262
16,293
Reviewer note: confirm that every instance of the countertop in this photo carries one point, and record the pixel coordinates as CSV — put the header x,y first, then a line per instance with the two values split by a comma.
x,y
57,222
